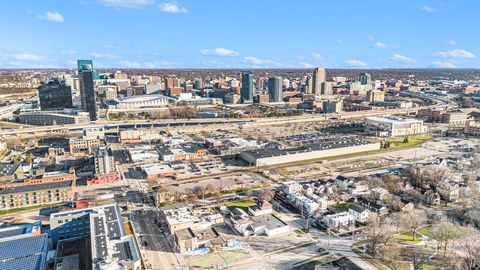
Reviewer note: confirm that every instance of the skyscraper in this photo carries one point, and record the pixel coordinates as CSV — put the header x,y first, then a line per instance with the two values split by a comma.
x,y
55,94
246,92
319,77
87,90
309,85
275,89
365,78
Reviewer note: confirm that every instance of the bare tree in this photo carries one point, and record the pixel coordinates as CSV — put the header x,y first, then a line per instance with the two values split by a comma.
x,y
377,235
443,233
469,244
412,220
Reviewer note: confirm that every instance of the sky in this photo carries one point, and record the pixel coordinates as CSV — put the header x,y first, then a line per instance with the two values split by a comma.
x,y
240,34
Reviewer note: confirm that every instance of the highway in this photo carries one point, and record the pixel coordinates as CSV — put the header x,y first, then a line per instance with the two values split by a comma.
x,y
210,122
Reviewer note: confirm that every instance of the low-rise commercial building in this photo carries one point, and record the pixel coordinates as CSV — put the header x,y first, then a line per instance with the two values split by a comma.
x,y
61,117
84,145
394,126
270,156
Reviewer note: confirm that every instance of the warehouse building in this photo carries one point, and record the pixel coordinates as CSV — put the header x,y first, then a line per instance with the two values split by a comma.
x,y
393,126
273,156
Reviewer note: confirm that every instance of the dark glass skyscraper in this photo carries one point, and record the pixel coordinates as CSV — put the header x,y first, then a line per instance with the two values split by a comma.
x,y
54,94
246,93
87,89
275,89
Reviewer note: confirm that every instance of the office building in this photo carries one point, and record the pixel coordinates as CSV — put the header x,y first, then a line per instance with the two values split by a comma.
x,y
23,247
55,94
365,78
246,92
394,126
375,96
104,162
60,117
87,90
319,77
327,89
110,245
275,89
309,85
84,145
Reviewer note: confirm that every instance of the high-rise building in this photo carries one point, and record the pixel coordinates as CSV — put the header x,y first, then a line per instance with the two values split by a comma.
x,y
375,96
55,94
309,85
275,89
247,87
319,77
327,88
104,162
87,89
365,78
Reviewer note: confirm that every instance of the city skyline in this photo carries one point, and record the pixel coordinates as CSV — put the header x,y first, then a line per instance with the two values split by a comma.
x,y
218,34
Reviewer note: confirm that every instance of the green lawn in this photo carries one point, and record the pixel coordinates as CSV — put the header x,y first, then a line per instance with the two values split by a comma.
x,y
242,204
406,238
426,231
29,208
398,143
342,207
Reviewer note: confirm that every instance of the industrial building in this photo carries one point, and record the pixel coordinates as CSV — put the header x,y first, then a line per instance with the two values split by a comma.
x,y
393,126
273,156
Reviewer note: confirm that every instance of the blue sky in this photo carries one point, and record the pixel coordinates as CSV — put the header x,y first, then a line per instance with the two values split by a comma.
x,y
240,34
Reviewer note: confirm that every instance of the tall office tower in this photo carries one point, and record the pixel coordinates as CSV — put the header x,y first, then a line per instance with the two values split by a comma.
x,y
87,89
327,88
246,92
365,78
309,85
319,77
275,89
198,84
104,162
55,94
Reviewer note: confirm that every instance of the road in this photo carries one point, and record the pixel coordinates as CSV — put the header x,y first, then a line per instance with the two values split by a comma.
x,y
154,244
209,122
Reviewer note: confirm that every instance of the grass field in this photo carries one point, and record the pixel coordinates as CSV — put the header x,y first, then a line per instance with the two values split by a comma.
x,y
426,231
29,208
398,143
406,238
342,207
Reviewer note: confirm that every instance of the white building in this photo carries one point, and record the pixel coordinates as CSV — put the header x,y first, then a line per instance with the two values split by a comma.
x,y
394,126
339,221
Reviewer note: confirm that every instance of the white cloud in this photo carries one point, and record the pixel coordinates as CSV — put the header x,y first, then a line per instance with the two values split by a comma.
x,y
219,52
457,53
102,55
427,8
262,62
317,56
339,41
451,42
380,45
306,65
126,3
403,59
443,64
370,37
172,8
356,63
51,16
27,57
129,64
68,52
